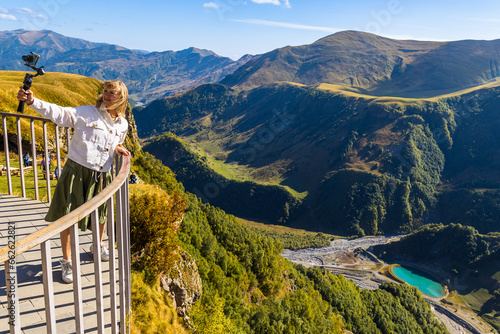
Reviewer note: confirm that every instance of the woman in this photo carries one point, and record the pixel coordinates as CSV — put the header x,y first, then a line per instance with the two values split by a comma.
x,y
99,132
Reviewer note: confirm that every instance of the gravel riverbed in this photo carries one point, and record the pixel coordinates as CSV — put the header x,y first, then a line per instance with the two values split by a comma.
x,y
323,255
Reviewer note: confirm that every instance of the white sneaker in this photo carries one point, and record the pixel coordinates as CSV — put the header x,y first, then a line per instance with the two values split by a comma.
x,y
104,253
67,271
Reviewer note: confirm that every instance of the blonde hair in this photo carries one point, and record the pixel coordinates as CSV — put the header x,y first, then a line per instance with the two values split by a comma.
x,y
120,106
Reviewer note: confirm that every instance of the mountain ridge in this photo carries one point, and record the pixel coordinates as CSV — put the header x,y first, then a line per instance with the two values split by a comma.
x,y
378,64
148,75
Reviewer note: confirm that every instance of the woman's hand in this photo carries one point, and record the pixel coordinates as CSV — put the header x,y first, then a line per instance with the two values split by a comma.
x,y
122,151
25,95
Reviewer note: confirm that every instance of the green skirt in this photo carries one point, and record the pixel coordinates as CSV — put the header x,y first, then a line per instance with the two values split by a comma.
x,y
76,186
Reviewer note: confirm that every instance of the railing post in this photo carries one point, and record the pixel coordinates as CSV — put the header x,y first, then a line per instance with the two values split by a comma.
x,y
7,155
33,164
46,159
77,282
68,139
127,247
48,287
112,265
121,259
58,153
12,296
20,156
96,251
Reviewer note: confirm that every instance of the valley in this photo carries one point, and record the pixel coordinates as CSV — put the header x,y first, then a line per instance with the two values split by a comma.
x,y
211,140
354,137
373,163
320,145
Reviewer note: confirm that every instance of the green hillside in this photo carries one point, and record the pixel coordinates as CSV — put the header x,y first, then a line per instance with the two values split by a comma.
x,y
358,164
247,286
244,199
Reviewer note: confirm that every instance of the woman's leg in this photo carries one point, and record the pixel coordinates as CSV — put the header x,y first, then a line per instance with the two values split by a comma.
x,y
101,231
67,270
66,244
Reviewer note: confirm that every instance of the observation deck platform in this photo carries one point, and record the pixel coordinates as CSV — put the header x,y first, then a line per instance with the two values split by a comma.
x,y
28,217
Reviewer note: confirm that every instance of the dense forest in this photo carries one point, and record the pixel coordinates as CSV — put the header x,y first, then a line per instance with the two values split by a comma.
x,y
330,161
461,245
247,286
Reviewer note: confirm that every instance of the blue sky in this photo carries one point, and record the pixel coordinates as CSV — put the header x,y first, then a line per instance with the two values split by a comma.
x,y
233,28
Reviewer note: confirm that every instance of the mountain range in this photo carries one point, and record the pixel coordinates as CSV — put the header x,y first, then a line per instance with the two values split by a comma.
x,y
376,65
148,75
350,151
356,163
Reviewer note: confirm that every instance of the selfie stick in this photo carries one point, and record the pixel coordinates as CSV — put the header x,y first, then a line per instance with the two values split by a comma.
x,y
28,80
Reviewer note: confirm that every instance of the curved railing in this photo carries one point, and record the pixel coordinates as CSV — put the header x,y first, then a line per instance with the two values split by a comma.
x,y
115,192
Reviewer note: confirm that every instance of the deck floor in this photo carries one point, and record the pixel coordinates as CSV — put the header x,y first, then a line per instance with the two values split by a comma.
x,y
28,216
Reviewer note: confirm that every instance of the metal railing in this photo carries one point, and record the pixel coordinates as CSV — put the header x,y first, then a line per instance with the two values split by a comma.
x,y
115,192
46,156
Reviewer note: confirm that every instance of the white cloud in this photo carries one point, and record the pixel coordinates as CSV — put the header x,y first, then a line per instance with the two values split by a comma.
x,y
24,10
31,12
272,2
288,25
8,17
4,15
211,5
286,3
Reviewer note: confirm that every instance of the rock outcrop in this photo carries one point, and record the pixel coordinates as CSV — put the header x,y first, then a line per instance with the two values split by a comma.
x,y
183,284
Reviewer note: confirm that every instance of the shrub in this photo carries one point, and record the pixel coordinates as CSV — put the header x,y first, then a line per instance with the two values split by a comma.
x,y
155,218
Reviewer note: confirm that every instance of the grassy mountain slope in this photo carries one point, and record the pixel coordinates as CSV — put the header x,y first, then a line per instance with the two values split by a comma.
x,y
361,164
379,65
60,88
245,199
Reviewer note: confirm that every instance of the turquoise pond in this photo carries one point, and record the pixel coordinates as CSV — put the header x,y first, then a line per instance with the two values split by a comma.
x,y
423,282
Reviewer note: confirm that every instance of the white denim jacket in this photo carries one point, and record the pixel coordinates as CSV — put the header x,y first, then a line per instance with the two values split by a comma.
x,y
95,136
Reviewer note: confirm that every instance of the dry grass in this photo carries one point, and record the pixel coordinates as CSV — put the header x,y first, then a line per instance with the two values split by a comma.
x,y
387,272
152,309
454,300
401,101
60,88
